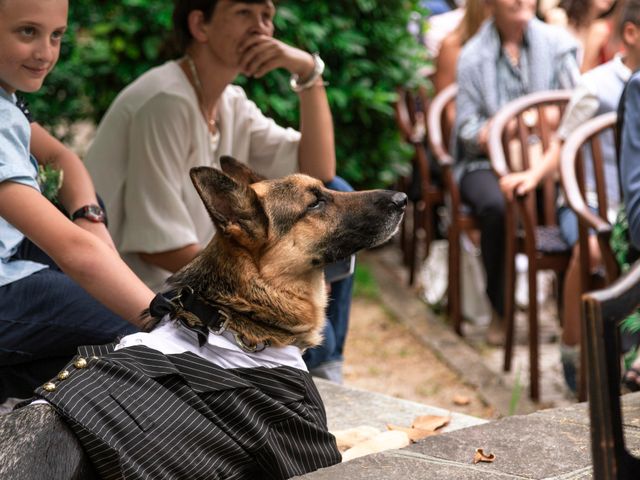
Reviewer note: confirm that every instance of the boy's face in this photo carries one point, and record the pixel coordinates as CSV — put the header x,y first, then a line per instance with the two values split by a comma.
x,y
631,39
232,22
30,36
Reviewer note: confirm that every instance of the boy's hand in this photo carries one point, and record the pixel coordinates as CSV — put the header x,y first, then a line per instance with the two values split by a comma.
x,y
259,54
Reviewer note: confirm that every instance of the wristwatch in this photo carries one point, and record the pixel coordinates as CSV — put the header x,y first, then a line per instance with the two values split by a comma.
x,y
93,213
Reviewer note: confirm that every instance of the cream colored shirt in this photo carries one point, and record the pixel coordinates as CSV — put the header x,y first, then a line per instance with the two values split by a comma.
x,y
147,142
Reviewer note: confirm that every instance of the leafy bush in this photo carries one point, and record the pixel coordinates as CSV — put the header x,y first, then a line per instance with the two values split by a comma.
x,y
365,44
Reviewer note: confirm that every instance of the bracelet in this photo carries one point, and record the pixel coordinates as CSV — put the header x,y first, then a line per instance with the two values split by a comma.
x,y
318,67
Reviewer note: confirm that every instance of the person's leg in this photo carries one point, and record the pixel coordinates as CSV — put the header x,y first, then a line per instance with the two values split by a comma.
x,y
571,293
481,191
43,319
326,359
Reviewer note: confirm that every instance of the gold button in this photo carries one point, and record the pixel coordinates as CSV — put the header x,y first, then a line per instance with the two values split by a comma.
x,y
80,363
49,386
63,375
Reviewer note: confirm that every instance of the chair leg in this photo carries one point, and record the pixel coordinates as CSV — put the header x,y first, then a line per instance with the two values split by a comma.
x,y
429,232
455,314
403,186
534,369
510,291
583,377
418,208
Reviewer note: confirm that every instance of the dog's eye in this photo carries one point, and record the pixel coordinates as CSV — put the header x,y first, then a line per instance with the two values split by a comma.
x,y
318,204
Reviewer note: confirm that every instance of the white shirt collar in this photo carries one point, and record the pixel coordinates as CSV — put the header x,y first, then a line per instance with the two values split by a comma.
x,y
621,69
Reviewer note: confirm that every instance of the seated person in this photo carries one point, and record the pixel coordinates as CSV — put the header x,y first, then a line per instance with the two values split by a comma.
x,y
513,54
589,22
598,91
76,290
186,113
629,116
475,13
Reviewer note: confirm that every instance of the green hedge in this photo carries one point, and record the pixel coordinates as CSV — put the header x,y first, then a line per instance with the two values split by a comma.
x,y
364,43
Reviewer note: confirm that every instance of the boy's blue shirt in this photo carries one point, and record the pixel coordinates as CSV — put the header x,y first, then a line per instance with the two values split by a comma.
x,y
16,165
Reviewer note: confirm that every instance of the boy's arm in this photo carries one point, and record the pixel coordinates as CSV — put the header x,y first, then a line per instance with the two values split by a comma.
x,y
77,188
87,260
316,151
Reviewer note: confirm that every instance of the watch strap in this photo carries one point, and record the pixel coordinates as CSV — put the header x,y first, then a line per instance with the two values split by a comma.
x,y
92,212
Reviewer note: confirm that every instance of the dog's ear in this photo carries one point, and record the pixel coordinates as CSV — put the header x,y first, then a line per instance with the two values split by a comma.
x,y
239,171
234,207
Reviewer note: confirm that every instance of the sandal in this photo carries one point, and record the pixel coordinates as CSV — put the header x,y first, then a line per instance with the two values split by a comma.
x,y
631,379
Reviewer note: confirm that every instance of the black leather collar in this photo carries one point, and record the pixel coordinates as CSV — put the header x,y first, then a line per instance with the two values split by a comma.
x,y
197,315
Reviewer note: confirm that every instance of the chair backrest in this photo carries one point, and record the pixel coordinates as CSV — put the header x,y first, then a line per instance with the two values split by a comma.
x,y
582,151
520,131
603,312
405,112
438,134
410,117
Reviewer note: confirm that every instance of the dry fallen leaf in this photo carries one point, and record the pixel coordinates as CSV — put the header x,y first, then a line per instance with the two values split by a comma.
x,y
461,400
414,434
480,456
430,422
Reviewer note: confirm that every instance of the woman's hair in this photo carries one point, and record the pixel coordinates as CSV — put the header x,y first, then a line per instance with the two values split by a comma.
x,y
181,11
577,11
475,12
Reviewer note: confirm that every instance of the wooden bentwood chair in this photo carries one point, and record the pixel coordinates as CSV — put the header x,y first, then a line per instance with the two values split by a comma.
x,y
460,218
603,310
572,169
530,224
582,146
410,118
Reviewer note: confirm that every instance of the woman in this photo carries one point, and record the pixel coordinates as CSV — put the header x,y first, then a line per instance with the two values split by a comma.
x,y
590,25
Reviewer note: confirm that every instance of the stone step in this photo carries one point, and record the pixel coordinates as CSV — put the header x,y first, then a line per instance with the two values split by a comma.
x,y
550,444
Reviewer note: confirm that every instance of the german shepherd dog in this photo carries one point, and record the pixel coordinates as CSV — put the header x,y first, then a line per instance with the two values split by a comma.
x,y
142,410
264,267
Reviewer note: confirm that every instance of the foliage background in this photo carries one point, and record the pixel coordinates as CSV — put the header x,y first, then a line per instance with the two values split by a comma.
x,y
365,44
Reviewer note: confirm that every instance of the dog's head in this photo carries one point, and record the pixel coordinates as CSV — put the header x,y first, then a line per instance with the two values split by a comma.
x,y
294,225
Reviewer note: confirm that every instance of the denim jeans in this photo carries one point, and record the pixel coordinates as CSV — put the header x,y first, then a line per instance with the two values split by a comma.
x,y
337,324
43,319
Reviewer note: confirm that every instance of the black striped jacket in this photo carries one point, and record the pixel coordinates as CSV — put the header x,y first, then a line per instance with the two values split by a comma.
x,y
141,414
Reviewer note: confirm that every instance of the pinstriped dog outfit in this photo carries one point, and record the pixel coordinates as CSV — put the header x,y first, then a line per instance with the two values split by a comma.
x,y
143,414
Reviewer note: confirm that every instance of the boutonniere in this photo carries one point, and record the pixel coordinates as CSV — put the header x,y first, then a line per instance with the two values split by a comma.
x,y
50,180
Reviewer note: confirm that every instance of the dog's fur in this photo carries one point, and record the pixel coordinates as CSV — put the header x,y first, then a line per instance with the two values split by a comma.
x,y
264,267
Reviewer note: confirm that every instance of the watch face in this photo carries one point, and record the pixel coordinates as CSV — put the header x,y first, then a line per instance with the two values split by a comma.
x,y
92,213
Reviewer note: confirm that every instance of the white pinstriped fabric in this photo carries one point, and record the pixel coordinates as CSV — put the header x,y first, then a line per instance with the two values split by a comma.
x,y
141,414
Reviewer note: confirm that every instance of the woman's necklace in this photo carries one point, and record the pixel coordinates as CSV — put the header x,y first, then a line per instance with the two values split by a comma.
x,y
209,118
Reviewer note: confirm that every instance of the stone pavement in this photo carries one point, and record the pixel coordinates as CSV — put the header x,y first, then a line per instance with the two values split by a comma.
x,y
351,407
550,444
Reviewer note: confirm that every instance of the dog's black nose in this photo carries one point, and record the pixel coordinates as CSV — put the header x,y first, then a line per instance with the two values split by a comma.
x,y
399,199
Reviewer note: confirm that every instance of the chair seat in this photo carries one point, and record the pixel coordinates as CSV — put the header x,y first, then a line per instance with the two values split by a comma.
x,y
550,240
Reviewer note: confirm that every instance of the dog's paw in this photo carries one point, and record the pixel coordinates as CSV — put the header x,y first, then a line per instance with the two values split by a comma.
x,y
390,440
352,436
